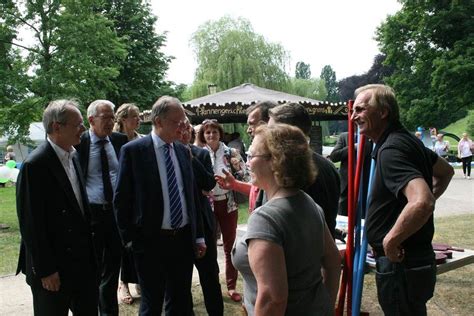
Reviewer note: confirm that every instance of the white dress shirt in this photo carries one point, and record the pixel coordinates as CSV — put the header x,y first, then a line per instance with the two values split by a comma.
x,y
158,145
94,182
65,157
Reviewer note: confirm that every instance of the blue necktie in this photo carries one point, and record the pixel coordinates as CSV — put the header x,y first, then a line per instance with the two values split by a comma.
x,y
176,214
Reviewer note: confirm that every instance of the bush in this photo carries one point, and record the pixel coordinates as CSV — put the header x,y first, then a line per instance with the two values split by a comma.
x,y
470,124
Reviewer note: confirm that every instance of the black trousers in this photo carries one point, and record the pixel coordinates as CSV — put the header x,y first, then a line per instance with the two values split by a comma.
x,y
208,269
405,288
109,252
165,264
81,301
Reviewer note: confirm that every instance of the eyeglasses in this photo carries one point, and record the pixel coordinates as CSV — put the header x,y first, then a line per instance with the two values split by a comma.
x,y
250,156
106,118
77,126
207,121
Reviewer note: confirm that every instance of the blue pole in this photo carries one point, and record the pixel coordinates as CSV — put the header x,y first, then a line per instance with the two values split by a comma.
x,y
359,275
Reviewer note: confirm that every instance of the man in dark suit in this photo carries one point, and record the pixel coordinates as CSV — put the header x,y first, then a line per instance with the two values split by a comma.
x,y
340,153
98,154
207,266
155,210
57,244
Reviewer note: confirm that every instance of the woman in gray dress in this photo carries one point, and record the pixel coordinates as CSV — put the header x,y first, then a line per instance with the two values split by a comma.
x,y
287,252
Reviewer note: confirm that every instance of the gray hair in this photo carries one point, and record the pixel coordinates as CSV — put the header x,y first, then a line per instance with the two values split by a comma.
x,y
383,97
57,111
92,109
162,106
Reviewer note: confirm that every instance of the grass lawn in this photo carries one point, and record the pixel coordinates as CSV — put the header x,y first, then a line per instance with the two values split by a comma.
x,y
454,289
9,238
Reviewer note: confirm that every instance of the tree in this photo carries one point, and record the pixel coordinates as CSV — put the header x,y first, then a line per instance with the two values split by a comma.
x,y
76,54
430,46
309,88
376,74
329,77
84,64
141,77
230,53
302,71
16,113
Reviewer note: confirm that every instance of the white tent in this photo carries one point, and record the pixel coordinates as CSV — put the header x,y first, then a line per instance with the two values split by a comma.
x,y
36,133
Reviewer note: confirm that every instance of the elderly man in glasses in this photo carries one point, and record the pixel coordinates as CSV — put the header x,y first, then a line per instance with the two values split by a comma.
x,y
156,211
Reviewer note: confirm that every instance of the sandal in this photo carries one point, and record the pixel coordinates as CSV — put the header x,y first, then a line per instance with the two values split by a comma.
x,y
234,296
124,294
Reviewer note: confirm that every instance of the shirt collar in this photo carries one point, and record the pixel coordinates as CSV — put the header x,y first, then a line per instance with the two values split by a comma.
x,y
157,141
62,154
392,127
95,138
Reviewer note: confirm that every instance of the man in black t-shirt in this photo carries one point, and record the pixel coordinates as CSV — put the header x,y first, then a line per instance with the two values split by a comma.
x,y
408,180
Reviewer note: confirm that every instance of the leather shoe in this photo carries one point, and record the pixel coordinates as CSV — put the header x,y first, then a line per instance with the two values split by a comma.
x,y
234,296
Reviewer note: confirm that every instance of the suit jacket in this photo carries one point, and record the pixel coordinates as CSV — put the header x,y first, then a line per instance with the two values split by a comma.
x,y
83,149
340,153
138,198
204,175
55,233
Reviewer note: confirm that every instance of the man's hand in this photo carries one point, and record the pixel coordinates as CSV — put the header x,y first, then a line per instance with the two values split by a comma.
x,y
51,282
200,250
393,250
226,182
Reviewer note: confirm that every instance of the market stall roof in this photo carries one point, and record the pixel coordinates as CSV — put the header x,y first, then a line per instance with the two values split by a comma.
x,y
229,106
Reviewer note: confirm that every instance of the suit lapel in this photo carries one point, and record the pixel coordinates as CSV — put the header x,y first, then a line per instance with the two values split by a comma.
x,y
150,162
59,173
82,187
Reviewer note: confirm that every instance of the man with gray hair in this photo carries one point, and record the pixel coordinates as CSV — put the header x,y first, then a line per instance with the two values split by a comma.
x,y
57,244
156,211
98,152
408,179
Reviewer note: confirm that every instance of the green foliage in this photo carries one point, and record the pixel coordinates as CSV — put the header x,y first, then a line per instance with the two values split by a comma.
x,y
15,110
88,54
329,77
470,124
430,46
302,71
85,50
230,53
309,88
141,76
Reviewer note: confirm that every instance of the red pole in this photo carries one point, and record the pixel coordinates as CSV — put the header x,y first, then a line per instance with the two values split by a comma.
x,y
360,163
346,281
350,207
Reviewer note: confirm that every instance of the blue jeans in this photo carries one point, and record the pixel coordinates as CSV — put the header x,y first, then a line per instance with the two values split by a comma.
x,y
404,288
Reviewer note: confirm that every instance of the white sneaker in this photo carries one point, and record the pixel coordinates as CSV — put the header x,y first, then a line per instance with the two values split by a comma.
x,y
464,176
469,178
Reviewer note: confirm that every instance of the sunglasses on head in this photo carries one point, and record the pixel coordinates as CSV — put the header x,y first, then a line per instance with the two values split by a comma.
x,y
207,121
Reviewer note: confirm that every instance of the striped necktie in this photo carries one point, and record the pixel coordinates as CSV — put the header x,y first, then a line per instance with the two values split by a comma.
x,y
176,213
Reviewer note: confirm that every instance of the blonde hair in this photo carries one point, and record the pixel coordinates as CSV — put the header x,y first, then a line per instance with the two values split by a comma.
x,y
122,113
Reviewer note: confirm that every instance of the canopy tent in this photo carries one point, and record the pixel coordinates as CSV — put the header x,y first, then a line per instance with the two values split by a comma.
x,y
229,106
37,135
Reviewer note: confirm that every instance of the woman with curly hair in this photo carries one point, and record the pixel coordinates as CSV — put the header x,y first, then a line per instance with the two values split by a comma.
x,y
287,252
